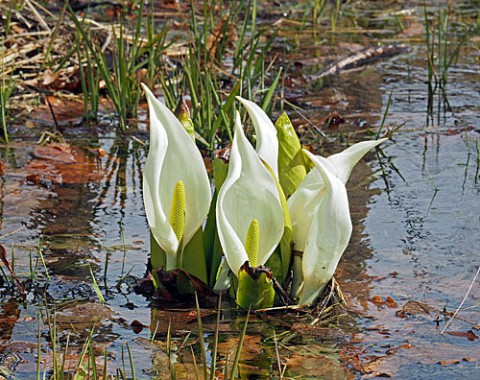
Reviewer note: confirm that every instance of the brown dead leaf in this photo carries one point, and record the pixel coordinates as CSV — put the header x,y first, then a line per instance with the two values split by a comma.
x,y
81,317
60,163
49,77
63,80
315,366
417,307
171,292
59,152
379,301
178,320
76,363
137,326
449,362
470,335
223,29
66,111
390,302
251,347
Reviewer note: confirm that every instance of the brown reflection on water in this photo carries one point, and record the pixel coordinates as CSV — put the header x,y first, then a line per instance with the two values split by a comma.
x,y
9,315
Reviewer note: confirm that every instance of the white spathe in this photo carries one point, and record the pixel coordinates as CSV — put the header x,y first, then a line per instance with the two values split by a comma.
x,y
172,157
328,235
249,192
307,198
266,134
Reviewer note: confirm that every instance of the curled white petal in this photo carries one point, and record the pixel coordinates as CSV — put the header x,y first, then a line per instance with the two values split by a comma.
x,y
224,278
172,157
303,206
308,197
328,236
266,133
345,161
249,192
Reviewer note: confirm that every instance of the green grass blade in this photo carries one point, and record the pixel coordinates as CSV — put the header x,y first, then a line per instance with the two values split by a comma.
x,y
239,348
200,337
95,286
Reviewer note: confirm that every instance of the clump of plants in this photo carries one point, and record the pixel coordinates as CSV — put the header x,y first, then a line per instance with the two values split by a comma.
x,y
278,221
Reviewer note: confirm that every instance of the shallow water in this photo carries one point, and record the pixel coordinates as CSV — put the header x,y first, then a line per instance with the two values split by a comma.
x,y
415,207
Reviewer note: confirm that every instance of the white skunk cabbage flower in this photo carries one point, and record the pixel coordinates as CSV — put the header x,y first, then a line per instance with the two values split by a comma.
x,y
249,213
306,199
329,233
266,134
176,188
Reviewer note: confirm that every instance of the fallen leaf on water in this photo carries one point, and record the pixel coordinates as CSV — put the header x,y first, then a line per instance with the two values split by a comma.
x,y
137,326
60,163
66,80
58,152
470,335
77,363
66,111
177,320
379,301
7,347
315,366
416,307
81,317
449,362
251,347
390,302
462,130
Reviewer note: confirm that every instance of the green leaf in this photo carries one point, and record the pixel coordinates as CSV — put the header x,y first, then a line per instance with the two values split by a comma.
x,y
283,253
217,254
279,262
271,91
220,171
213,249
255,287
194,261
292,164
95,286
